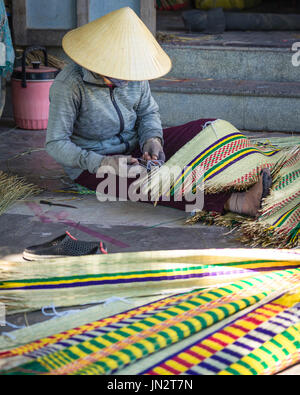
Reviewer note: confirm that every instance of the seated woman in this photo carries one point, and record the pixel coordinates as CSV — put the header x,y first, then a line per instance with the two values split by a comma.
x,y
102,109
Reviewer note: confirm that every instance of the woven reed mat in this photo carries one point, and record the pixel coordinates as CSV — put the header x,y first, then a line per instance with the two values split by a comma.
x,y
246,327
81,280
221,158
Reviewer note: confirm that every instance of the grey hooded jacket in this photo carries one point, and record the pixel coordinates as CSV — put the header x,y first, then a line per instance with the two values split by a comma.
x,y
88,119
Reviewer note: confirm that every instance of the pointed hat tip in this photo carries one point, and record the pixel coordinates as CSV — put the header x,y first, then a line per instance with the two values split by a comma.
x,y
126,10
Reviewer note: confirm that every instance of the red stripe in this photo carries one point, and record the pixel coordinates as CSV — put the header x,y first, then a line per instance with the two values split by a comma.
x,y
207,348
152,373
227,333
218,341
182,362
269,309
240,328
169,369
277,305
253,321
195,354
264,315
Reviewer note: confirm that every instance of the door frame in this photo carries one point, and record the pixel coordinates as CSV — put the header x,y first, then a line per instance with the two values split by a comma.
x,y
24,36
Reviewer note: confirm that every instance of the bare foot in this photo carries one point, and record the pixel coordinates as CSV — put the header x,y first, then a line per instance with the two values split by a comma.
x,y
249,202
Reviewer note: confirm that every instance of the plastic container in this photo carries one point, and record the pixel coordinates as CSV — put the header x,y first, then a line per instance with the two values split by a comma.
x,y
30,92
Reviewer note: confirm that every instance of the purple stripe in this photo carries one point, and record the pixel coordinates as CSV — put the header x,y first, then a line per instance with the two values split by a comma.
x,y
265,332
192,373
279,324
242,345
76,340
63,344
288,320
129,280
205,365
220,359
88,335
278,220
289,312
256,339
271,269
233,353
213,145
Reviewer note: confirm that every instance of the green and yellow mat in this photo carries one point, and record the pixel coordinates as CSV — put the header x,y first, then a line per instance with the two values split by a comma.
x,y
250,326
185,312
221,158
81,280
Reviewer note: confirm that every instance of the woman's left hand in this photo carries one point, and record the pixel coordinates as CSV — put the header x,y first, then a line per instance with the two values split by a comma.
x,y
153,150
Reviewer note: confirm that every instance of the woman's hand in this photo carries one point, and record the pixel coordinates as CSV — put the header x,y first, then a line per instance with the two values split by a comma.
x,y
118,164
153,150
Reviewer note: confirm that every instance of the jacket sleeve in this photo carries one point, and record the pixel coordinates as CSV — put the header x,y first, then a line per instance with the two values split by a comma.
x,y
64,107
148,117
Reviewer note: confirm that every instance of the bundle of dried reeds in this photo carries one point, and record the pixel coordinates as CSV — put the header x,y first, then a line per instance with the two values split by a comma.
x,y
13,188
53,61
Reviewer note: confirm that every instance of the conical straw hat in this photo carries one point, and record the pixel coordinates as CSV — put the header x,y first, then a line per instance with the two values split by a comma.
x,y
118,45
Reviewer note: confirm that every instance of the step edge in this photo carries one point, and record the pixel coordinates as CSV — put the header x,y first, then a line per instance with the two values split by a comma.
x,y
227,48
272,89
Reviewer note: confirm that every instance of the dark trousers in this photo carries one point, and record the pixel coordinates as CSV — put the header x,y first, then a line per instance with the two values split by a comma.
x,y
174,138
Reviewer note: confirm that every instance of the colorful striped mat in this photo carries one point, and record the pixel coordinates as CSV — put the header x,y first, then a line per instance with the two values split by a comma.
x,y
109,345
264,341
33,285
220,158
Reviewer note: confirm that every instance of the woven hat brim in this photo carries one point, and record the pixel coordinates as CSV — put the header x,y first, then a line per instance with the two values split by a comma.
x,y
118,45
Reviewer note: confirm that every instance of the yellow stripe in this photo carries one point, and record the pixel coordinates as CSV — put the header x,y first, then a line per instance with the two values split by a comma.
x,y
224,338
111,363
130,331
116,336
201,351
148,345
176,365
189,358
77,281
161,340
122,356
282,218
215,346
161,371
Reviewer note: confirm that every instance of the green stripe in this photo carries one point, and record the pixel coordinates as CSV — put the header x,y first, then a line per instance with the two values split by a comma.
x,y
179,332
141,347
190,326
233,371
129,354
112,275
283,220
248,367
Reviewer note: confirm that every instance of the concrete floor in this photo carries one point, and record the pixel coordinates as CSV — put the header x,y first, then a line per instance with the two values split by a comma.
x,y
124,226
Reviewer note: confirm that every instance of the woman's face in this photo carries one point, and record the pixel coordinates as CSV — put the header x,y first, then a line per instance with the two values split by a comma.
x,y
116,82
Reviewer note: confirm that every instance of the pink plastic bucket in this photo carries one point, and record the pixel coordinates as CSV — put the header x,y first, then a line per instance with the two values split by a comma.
x,y
30,93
